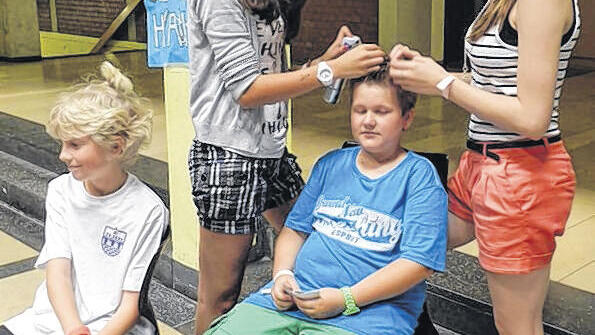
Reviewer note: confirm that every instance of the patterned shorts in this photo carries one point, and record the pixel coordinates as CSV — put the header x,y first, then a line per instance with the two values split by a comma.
x,y
231,191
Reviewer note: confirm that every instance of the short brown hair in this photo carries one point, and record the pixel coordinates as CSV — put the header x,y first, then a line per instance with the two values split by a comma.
x,y
405,98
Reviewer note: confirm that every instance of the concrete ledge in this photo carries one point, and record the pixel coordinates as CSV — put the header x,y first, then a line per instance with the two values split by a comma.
x,y
22,227
23,185
17,267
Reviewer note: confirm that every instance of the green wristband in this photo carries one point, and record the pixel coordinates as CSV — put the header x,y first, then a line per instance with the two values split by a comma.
x,y
350,306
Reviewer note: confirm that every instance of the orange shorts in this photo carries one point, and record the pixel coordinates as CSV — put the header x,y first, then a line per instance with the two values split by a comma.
x,y
517,204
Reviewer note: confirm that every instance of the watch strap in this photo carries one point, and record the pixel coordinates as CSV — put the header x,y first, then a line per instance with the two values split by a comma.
x,y
324,74
350,305
444,86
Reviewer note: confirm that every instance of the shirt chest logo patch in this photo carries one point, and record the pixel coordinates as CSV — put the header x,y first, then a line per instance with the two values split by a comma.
x,y
112,241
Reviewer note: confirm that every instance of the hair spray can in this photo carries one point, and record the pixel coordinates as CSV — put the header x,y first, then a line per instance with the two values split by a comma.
x,y
332,93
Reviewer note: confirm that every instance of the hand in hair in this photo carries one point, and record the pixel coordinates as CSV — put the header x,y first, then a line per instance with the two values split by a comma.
x,y
359,61
414,72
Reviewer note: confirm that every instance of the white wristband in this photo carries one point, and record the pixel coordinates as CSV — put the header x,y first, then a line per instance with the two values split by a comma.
x,y
282,273
444,86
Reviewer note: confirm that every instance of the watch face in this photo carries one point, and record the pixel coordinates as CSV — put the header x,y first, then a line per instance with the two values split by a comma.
x,y
325,74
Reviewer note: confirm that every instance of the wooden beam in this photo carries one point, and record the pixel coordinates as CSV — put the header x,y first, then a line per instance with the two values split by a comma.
x,y
131,25
53,16
115,25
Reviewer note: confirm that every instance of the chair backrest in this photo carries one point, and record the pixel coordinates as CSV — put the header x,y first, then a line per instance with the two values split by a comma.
x,y
144,304
439,160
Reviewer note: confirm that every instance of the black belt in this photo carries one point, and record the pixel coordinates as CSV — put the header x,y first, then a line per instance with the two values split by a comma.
x,y
483,148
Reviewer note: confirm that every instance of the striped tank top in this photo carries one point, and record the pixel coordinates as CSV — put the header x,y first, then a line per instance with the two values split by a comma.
x,y
493,61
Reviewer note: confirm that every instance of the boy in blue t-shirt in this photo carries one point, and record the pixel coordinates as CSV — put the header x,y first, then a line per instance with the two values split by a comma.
x,y
365,233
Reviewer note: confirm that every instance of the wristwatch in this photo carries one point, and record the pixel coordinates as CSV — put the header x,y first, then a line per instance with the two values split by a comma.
x,y
324,74
350,306
444,86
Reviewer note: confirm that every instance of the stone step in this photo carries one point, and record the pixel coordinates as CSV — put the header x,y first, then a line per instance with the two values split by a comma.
x,y
23,185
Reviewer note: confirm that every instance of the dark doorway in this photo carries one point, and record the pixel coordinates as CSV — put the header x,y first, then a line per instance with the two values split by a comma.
x,y
458,16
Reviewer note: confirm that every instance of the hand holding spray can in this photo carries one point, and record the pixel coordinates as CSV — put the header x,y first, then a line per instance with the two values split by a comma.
x,y
332,93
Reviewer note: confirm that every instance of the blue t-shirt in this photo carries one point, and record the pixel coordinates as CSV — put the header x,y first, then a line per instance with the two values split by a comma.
x,y
357,225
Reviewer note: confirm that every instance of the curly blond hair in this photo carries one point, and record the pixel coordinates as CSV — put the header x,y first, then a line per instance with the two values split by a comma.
x,y
105,109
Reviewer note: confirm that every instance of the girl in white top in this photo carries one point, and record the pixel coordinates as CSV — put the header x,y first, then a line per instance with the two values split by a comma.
x,y
514,186
103,225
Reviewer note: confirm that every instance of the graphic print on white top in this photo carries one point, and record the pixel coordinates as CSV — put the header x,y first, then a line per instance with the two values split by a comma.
x,y
112,241
271,40
356,225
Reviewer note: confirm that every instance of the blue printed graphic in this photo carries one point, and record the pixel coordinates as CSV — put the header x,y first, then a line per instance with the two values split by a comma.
x,y
359,226
112,241
167,34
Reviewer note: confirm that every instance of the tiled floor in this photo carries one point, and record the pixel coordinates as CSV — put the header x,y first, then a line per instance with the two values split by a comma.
x,y
14,250
28,90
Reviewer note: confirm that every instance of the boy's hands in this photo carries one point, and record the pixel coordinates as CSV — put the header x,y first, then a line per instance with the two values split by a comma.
x,y
79,330
282,300
329,304
359,61
414,72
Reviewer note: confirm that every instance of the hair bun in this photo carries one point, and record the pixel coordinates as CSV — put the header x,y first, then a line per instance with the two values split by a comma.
x,y
114,77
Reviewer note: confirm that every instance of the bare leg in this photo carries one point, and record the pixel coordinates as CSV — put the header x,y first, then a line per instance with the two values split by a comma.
x,y
518,301
276,216
222,260
460,232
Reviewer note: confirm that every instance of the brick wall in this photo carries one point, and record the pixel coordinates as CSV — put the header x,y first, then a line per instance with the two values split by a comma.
x,y
87,17
320,21
90,17
43,12
322,18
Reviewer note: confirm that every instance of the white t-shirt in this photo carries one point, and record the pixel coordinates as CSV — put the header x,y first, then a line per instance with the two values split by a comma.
x,y
110,241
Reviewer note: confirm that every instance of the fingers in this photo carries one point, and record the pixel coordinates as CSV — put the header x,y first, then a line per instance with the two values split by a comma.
x,y
402,64
371,47
377,53
282,304
312,308
400,77
395,52
344,31
371,53
281,291
293,285
282,285
375,69
307,305
409,54
402,52
373,65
